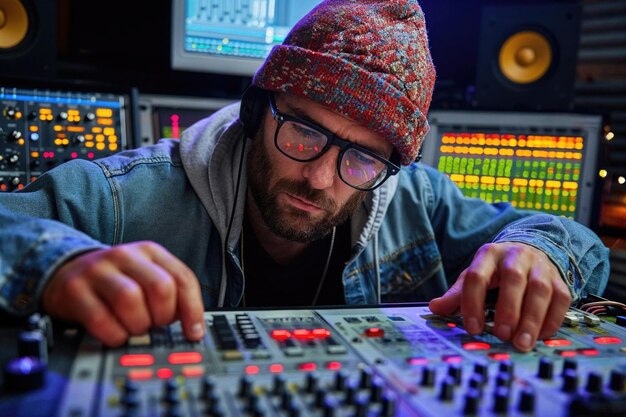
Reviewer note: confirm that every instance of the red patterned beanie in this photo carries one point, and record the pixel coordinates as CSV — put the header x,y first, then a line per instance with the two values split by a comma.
x,y
368,60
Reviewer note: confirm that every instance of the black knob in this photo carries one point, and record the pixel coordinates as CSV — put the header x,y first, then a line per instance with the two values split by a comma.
x,y
594,382
447,389
311,382
569,364
501,400
388,406
482,369
527,400
33,343
570,380
455,371
428,376
24,374
506,367
546,368
472,399
616,381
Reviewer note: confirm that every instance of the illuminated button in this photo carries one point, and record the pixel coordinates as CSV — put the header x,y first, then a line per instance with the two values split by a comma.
x,y
608,340
280,335
232,355
374,332
567,353
143,340
417,361
320,333
293,351
452,358
307,366
500,356
164,373
183,358
476,346
261,354
252,370
333,366
192,371
140,374
557,342
590,352
302,334
136,360
276,368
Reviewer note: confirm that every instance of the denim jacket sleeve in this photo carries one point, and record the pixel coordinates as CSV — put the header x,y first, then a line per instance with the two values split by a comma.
x,y
463,224
40,229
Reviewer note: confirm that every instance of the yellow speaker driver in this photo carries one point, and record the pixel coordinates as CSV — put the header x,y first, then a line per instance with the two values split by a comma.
x,y
525,57
13,23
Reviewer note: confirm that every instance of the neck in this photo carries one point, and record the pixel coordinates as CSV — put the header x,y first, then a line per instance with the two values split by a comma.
x,y
282,251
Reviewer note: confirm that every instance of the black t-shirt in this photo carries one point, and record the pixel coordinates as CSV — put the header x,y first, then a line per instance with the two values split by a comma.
x,y
269,284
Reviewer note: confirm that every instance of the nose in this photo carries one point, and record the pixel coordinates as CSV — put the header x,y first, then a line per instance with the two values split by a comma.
x,y
322,172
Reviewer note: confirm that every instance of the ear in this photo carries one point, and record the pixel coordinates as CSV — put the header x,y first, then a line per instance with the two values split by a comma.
x,y
253,106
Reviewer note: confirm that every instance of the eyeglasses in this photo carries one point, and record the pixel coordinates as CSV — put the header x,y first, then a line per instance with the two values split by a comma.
x,y
303,141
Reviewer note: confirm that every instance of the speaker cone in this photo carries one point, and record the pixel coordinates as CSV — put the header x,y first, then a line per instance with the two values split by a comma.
x,y
13,23
525,57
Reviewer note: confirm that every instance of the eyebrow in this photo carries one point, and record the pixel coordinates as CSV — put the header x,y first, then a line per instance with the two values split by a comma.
x,y
301,113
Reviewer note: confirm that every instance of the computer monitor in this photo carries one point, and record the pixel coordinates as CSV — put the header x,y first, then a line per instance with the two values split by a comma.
x,y
539,161
230,37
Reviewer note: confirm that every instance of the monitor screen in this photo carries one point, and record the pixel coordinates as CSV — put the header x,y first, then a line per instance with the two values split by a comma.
x,y
230,37
544,162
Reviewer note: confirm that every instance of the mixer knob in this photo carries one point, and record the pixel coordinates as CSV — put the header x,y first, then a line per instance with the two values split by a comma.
x,y
279,384
25,373
32,343
361,405
340,380
506,367
388,406
428,376
570,381
503,380
311,382
15,181
63,115
594,382
351,391
79,139
472,399
527,400
90,117
447,389
376,390
482,369
208,386
455,371
330,407
546,368
501,400
33,115
366,378
11,112
245,387
15,135
569,364
616,381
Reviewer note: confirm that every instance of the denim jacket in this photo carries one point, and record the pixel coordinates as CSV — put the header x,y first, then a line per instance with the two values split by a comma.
x,y
410,238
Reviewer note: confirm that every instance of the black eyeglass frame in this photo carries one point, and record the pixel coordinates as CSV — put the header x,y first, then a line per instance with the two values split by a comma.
x,y
392,165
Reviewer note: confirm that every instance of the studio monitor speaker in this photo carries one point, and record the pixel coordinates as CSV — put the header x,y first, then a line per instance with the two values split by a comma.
x,y
28,38
527,56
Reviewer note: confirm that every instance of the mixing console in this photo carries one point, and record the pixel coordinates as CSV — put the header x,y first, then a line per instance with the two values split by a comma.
x,y
399,360
41,129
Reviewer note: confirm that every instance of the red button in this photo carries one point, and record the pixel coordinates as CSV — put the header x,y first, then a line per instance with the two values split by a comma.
x,y
374,332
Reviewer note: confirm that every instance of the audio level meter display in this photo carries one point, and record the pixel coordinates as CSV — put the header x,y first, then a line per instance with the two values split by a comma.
x,y
535,161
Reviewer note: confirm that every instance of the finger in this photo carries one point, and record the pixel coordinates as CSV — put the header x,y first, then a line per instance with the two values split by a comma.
x,y
559,305
477,279
89,311
513,272
450,302
125,299
535,306
189,305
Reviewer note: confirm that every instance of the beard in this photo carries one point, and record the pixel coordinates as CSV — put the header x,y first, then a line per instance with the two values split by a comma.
x,y
288,222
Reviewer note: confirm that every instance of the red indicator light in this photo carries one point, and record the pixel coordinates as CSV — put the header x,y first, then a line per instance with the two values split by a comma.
x,y
183,358
307,366
453,359
608,340
90,155
568,353
500,356
252,370
302,334
333,366
165,373
476,346
192,371
557,342
374,332
590,352
320,333
74,155
139,374
280,335
416,361
276,368
451,325
136,360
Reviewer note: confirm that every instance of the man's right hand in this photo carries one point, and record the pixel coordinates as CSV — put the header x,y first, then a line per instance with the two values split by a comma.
x,y
124,290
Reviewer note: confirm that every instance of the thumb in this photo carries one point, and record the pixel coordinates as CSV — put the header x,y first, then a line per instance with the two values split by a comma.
x,y
450,302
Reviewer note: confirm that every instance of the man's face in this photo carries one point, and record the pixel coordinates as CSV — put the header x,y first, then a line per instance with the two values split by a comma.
x,y
303,201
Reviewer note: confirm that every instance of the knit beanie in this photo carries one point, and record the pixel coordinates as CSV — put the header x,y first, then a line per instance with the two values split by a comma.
x,y
368,60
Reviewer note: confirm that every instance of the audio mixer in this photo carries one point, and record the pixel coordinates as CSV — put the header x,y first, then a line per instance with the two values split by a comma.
x,y
387,361
40,129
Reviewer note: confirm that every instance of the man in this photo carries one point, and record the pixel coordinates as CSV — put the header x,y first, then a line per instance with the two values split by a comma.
x,y
300,191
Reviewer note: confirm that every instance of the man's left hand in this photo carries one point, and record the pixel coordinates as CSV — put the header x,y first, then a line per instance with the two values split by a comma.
x,y
532,296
